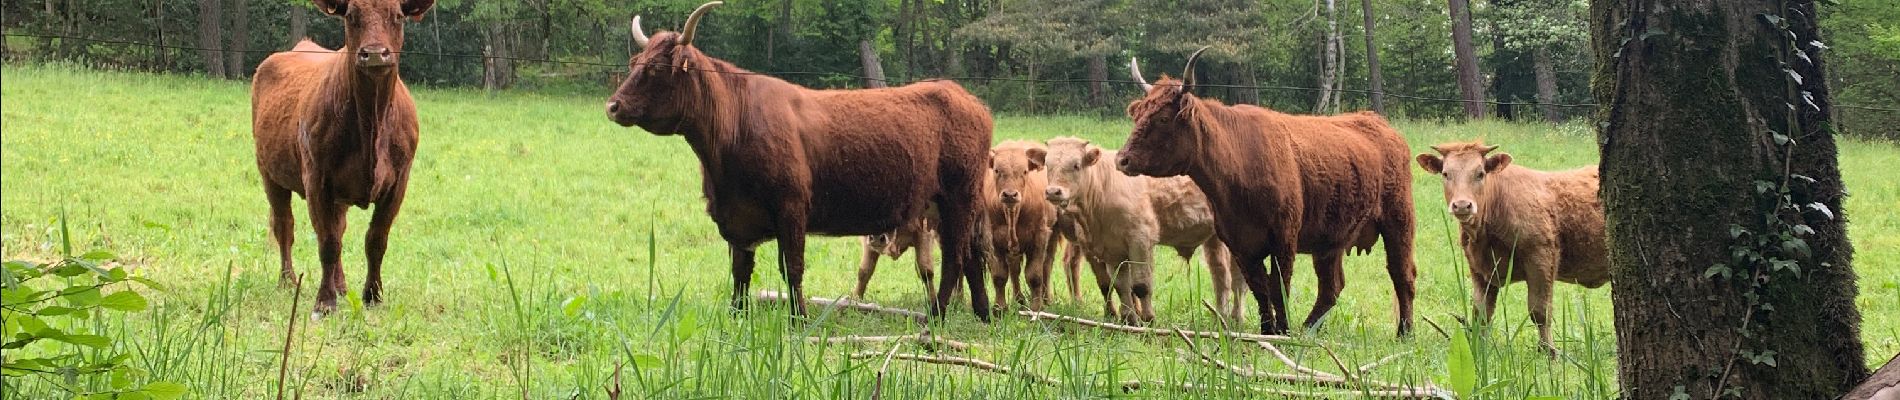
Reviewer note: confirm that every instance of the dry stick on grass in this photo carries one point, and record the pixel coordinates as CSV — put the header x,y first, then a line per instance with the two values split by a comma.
x,y
1156,331
877,386
1366,369
283,366
775,296
925,339
1435,327
967,362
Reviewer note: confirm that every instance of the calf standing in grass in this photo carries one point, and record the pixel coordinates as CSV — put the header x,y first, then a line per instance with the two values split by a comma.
x,y
1519,224
339,129
917,234
1121,218
1021,223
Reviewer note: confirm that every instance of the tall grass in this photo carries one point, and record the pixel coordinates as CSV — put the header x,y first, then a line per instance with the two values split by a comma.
x,y
560,201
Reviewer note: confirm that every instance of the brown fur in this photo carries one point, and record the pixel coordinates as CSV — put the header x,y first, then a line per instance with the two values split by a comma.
x,y
779,161
1123,218
1066,231
1282,184
339,129
917,234
1021,222
1522,225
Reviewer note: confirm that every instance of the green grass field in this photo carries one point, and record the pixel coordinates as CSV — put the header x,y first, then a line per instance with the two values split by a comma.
x,y
542,245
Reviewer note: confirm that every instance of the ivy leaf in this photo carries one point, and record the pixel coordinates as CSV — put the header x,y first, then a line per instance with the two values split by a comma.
x,y
1736,231
1792,75
1808,97
1803,230
1817,206
1781,139
1718,269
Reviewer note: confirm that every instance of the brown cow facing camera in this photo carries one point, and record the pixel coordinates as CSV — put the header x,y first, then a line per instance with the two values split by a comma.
x,y
1283,184
779,161
1519,224
339,129
1021,224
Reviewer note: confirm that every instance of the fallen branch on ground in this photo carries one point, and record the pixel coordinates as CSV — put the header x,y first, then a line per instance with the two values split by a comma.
x,y
930,342
775,296
1128,384
1157,331
967,362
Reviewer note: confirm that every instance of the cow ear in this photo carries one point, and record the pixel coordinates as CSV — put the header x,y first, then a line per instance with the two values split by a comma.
x,y
416,8
1496,162
992,158
1094,154
1036,157
1431,163
332,7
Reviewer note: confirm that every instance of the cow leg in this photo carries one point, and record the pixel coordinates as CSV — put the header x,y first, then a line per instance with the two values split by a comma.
x,y
283,227
1540,267
1330,268
1253,270
923,257
1485,294
377,241
744,259
964,256
329,218
1000,265
1017,266
1267,277
1399,265
1227,282
1072,265
1038,273
867,265
791,255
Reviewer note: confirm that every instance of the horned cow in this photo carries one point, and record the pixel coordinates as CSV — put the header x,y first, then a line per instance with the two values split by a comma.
x,y
779,161
1519,224
1282,184
339,129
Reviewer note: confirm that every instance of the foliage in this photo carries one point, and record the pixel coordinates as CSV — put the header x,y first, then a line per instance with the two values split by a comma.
x,y
1864,37
45,308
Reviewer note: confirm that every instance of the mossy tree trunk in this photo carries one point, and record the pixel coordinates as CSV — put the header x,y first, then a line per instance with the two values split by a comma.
x,y
1704,159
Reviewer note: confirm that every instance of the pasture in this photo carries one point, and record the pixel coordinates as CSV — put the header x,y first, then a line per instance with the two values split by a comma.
x,y
542,247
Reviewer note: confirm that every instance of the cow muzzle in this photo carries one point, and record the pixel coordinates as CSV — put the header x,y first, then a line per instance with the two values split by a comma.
x,y
1012,197
620,113
1056,194
375,56
1463,209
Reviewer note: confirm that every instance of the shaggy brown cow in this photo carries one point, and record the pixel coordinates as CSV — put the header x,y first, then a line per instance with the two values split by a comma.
x,y
1021,223
1124,217
1519,224
917,234
779,161
1282,184
338,128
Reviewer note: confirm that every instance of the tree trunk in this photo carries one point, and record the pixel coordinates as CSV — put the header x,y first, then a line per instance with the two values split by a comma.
x,y
211,36
299,24
240,39
1466,57
498,67
1098,78
1245,90
158,25
1329,63
1546,84
1696,106
873,68
1372,60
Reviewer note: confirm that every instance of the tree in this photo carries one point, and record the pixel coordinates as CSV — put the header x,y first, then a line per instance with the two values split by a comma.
x,y
240,39
1375,75
1549,30
1466,59
1329,62
211,36
1722,193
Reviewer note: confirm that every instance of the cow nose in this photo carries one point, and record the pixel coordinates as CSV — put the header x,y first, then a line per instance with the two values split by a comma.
x,y
1121,162
1054,193
374,55
1012,196
1463,207
613,107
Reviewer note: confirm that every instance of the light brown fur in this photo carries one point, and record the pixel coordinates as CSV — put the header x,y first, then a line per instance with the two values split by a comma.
x,y
1522,225
1021,224
916,235
1122,218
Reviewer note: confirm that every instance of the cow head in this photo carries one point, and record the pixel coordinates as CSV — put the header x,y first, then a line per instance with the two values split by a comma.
x,y
1165,141
661,87
1463,167
1011,164
1064,162
372,29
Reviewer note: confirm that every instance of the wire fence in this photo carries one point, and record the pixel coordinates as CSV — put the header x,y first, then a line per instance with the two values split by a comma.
x,y
886,80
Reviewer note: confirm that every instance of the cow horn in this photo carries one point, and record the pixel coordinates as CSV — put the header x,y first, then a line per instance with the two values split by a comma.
x,y
1441,149
1187,76
639,36
1134,69
692,21
1482,149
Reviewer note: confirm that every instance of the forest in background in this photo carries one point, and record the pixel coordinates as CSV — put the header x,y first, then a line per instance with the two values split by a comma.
x,y
1505,58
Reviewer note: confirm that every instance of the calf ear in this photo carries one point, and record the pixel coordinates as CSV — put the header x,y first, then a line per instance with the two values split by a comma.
x,y
1496,162
415,8
992,158
332,7
1431,163
1091,157
1036,157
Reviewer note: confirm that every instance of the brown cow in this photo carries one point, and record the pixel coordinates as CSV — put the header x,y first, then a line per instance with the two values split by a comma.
x,y
1122,218
778,161
916,234
338,128
1282,184
1523,224
1021,223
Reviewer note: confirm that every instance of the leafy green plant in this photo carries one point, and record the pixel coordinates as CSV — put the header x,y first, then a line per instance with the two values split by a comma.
x,y
42,306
